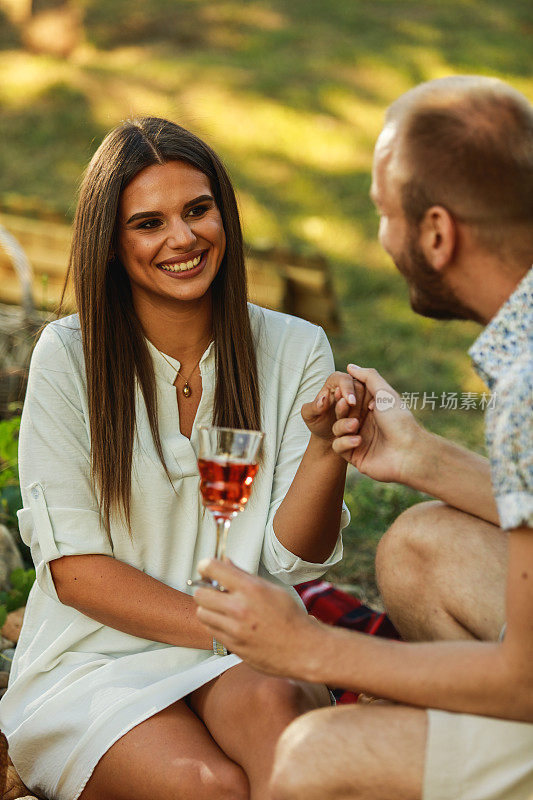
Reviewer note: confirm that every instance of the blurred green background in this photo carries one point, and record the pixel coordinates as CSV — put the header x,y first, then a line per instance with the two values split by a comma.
x,y
291,93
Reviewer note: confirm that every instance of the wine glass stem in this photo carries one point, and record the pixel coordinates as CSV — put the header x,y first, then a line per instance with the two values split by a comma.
x,y
222,536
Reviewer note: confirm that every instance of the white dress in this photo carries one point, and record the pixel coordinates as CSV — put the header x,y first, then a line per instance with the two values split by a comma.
x,y
76,685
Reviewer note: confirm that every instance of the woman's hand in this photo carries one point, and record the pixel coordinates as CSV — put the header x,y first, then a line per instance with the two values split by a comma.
x,y
319,415
258,621
385,442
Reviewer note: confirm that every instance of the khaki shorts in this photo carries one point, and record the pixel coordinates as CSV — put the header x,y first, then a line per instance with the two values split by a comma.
x,y
477,758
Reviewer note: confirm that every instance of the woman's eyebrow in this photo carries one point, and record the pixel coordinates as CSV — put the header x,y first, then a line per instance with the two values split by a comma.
x,y
145,214
201,199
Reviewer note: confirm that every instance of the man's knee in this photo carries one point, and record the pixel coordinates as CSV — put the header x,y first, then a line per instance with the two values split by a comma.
x,y
339,754
302,767
408,549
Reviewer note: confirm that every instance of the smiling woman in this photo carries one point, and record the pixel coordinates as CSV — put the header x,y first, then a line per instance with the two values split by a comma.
x,y
127,697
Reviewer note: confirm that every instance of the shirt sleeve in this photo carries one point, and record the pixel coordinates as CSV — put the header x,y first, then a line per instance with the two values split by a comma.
x,y
511,448
277,560
60,514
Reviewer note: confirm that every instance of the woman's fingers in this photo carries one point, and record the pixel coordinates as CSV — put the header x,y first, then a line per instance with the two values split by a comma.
x,y
343,391
324,400
342,409
345,385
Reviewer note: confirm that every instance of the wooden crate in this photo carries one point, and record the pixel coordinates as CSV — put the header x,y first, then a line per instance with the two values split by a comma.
x,y
278,278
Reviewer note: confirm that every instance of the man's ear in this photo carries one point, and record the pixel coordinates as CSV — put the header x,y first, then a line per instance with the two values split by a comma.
x,y
438,237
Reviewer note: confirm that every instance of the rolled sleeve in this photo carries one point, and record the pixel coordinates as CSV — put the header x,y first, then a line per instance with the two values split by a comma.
x,y
52,533
60,516
277,560
510,440
292,570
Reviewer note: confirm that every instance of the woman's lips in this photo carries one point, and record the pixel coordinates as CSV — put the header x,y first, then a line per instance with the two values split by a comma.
x,y
185,273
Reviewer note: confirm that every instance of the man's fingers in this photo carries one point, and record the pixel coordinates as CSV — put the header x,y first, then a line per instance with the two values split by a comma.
x,y
225,603
223,628
347,425
371,378
225,573
344,445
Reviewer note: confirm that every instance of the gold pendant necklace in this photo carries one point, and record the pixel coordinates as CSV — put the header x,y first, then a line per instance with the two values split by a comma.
x,y
186,390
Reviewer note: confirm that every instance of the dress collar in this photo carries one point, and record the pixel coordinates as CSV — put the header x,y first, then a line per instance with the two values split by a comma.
x,y
508,336
168,370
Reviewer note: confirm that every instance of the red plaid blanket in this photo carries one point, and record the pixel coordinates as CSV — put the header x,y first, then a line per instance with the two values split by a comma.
x,y
335,607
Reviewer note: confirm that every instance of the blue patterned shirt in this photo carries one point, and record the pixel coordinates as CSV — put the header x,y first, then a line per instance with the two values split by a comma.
x,y
503,357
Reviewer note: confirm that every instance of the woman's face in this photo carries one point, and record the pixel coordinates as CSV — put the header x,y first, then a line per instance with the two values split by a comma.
x,y
170,234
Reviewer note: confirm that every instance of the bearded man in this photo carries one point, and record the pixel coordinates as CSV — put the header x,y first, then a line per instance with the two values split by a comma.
x,y
453,184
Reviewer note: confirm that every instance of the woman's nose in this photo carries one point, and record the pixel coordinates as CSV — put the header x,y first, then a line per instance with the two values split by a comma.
x,y
180,236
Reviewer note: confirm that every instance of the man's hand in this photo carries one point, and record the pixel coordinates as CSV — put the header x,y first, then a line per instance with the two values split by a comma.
x,y
381,444
258,621
319,415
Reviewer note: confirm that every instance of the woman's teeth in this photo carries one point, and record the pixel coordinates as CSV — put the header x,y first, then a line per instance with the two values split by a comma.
x,y
182,266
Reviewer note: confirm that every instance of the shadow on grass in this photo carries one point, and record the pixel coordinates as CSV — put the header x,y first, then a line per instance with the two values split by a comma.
x,y
373,508
9,34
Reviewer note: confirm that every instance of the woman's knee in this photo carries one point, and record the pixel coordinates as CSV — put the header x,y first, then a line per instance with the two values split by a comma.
x,y
202,780
196,779
227,781
285,696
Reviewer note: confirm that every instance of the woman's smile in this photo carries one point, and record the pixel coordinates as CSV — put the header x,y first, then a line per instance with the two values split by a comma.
x,y
190,265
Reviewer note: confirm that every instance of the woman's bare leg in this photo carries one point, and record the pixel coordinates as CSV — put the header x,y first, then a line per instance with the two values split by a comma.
x,y
172,756
246,712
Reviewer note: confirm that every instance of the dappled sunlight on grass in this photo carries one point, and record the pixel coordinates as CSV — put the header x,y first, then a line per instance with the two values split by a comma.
x,y
249,123
292,95
26,77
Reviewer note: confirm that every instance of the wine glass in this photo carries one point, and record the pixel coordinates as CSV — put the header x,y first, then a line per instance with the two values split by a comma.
x,y
228,463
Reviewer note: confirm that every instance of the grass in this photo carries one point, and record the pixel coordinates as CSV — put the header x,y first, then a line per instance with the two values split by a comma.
x,y
292,95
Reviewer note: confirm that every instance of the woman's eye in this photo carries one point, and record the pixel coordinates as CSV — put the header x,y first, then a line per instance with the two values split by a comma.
x,y
149,224
198,211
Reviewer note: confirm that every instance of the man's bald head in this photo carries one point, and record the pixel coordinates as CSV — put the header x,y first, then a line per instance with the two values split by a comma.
x,y
466,143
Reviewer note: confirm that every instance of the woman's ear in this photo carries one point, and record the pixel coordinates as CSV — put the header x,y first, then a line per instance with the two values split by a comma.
x,y
438,237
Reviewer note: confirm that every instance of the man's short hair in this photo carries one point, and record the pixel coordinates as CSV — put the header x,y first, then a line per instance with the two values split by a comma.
x,y
466,143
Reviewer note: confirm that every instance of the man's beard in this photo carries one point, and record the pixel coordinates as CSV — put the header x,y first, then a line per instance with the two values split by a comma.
x,y
428,294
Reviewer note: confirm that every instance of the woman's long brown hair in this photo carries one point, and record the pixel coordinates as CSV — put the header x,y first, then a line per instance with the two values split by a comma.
x,y
116,354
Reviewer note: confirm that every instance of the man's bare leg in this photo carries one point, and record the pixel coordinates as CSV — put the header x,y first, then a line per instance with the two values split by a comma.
x,y
352,753
442,574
